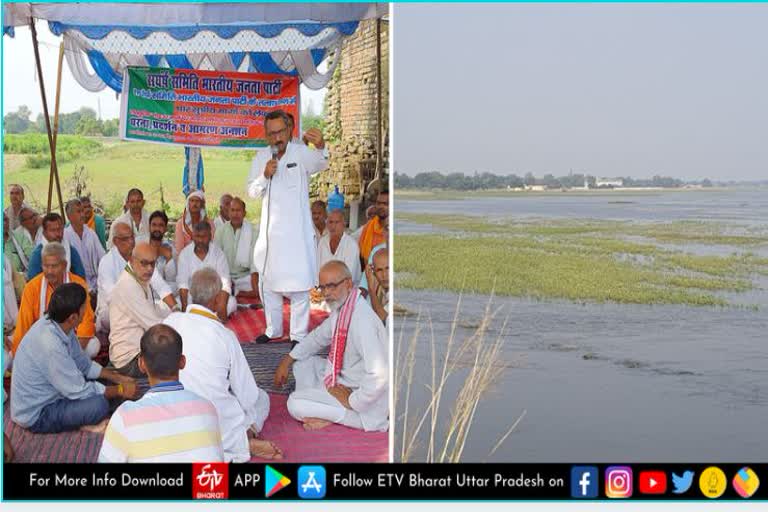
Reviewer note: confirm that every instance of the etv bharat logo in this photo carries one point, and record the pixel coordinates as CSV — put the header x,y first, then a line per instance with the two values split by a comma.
x,y
210,481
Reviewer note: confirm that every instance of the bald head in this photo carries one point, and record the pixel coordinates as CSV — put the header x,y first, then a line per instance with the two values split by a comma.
x,y
143,259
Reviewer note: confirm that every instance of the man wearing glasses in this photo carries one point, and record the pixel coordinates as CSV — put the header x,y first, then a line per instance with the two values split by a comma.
x,y
284,254
349,386
133,310
111,268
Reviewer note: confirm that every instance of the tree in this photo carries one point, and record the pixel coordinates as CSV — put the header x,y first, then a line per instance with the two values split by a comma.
x,y
18,122
110,127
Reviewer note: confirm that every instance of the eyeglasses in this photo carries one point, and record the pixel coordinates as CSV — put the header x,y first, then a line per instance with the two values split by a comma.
x,y
276,132
127,237
25,219
147,263
330,286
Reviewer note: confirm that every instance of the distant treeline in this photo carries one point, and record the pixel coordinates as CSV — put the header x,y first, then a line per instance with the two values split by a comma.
x,y
487,180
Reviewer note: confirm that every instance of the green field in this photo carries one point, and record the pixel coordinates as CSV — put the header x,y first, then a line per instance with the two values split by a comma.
x,y
578,260
116,166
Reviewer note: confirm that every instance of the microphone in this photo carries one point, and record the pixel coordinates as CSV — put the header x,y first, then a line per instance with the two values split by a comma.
x,y
274,151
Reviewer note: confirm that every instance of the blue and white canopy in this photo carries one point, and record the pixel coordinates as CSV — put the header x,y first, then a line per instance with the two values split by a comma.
x,y
101,39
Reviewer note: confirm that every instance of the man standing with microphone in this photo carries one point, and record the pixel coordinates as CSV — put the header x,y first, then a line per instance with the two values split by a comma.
x,y
284,254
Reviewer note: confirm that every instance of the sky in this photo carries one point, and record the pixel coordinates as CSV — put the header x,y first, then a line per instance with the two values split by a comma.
x,y
606,89
20,84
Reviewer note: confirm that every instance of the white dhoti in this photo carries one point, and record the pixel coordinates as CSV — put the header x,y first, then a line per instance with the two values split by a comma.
x,y
243,284
273,311
312,400
235,443
231,305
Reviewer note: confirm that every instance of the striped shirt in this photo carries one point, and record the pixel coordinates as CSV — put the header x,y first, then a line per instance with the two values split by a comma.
x,y
168,424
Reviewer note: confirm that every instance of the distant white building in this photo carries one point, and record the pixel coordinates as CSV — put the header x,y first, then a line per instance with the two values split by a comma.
x,y
609,182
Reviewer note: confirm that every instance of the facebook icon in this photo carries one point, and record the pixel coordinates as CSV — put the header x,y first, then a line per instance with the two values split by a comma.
x,y
584,482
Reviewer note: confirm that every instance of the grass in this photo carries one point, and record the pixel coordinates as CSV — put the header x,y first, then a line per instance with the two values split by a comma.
x,y
119,166
572,260
445,434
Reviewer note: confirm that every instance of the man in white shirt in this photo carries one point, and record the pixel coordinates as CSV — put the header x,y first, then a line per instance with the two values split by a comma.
x,y
135,216
338,245
16,193
85,241
202,253
236,238
166,252
319,216
112,266
351,385
223,215
216,369
285,254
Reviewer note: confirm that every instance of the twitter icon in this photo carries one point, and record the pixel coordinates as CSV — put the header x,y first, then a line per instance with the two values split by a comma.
x,y
682,483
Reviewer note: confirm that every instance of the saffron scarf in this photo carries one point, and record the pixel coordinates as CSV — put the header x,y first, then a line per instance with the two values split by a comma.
x,y
372,235
339,339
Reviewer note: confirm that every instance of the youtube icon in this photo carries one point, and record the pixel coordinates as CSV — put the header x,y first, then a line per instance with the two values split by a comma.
x,y
653,482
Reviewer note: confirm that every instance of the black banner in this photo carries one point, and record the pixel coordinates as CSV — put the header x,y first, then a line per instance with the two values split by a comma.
x,y
584,481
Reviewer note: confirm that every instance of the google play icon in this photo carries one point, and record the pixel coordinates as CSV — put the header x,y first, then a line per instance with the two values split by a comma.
x,y
274,481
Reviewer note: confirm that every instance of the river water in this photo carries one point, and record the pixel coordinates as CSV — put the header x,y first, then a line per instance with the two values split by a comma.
x,y
611,382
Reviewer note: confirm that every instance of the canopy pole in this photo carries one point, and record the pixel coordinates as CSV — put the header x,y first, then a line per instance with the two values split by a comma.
x,y
54,168
56,125
379,142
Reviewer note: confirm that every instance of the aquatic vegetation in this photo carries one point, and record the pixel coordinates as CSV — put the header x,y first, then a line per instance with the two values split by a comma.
x,y
573,260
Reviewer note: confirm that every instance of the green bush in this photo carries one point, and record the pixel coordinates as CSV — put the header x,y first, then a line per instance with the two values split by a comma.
x,y
37,143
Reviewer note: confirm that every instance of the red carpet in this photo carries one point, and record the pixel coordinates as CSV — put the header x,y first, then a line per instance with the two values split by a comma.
x,y
331,444
249,324
334,443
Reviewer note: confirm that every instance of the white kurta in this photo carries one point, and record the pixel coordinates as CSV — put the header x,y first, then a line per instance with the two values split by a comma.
x,y
110,269
90,250
141,232
10,308
284,254
189,263
348,252
365,366
167,268
217,370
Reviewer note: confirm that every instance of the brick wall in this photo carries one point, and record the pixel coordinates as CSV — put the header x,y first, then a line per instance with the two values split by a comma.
x,y
350,114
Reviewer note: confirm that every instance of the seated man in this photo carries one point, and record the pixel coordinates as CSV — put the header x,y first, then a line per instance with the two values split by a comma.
x,y
133,308
10,313
319,216
93,221
111,268
370,213
223,216
12,250
216,369
350,386
169,423
38,292
50,388
166,252
84,240
16,194
134,215
373,232
27,236
377,276
236,239
53,231
337,245
204,254
194,214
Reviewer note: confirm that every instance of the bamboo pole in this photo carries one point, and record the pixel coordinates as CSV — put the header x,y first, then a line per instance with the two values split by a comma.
x,y
54,169
56,124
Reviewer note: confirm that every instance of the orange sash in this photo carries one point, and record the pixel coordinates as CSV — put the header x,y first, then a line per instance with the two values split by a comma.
x,y
372,235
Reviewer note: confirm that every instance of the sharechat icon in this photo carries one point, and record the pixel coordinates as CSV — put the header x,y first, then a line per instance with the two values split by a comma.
x,y
746,482
681,484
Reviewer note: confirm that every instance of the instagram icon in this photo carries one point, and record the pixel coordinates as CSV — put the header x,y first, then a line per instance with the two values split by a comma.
x,y
618,482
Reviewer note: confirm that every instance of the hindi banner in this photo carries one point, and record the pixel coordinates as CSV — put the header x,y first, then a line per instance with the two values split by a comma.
x,y
203,108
